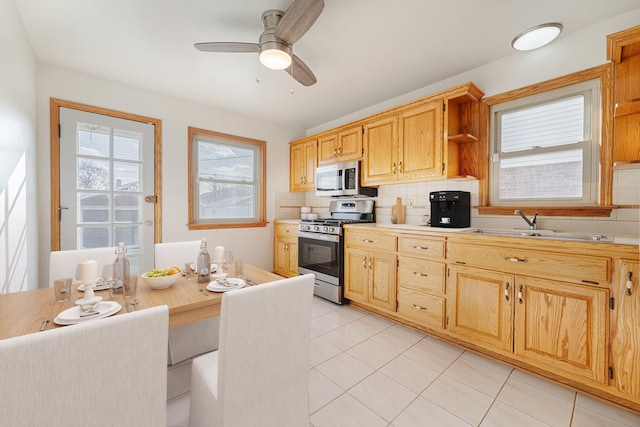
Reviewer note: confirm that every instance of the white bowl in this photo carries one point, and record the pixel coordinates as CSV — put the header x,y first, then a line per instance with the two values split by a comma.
x,y
160,282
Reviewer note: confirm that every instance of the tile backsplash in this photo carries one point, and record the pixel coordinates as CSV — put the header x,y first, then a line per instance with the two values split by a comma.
x,y
415,196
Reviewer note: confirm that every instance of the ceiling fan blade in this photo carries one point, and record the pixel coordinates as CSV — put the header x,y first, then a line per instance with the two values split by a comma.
x,y
297,20
227,47
299,71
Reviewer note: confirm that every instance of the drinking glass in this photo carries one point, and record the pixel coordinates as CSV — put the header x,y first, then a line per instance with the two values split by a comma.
x,y
227,261
62,288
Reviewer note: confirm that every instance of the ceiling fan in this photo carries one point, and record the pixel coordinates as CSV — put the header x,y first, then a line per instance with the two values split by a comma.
x,y
281,31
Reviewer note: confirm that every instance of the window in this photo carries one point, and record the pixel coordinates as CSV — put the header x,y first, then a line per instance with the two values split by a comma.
x,y
226,180
545,148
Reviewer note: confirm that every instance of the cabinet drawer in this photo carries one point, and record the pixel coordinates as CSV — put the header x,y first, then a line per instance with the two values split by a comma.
x,y
578,268
421,275
420,246
381,242
286,230
424,309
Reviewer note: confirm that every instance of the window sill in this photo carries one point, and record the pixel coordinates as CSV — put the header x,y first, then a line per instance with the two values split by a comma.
x,y
579,211
205,226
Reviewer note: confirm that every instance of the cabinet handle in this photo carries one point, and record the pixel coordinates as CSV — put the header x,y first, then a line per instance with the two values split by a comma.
x,y
520,294
335,152
393,169
420,274
629,282
418,307
367,241
422,248
369,263
400,167
506,291
339,151
304,179
364,262
514,259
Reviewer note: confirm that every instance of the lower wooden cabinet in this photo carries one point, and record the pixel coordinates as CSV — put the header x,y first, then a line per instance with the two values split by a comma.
x,y
370,278
625,323
285,249
562,327
481,307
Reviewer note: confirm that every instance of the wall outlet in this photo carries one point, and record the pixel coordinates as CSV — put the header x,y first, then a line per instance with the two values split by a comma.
x,y
410,203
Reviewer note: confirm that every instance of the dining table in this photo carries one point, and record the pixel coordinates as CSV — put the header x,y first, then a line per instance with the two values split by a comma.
x,y
33,311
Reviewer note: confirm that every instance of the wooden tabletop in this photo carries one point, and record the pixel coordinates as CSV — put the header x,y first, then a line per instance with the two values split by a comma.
x,y
23,313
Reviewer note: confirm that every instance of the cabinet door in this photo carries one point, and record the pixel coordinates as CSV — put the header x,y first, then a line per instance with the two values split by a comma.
x,y
292,249
356,275
280,256
625,329
420,142
328,149
481,311
296,167
380,141
562,326
310,164
350,144
382,280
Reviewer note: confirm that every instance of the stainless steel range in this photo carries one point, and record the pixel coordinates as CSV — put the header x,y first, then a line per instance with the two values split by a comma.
x,y
321,245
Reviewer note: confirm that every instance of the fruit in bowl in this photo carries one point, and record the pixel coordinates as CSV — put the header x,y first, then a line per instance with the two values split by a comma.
x,y
161,278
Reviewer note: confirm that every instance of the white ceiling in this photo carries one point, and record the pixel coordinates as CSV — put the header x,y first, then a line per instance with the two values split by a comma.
x,y
362,51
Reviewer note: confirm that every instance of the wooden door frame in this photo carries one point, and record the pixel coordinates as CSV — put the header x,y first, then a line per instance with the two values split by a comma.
x,y
54,131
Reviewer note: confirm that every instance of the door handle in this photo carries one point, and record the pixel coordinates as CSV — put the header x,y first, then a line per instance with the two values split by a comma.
x,y
148,223
60,212
151,199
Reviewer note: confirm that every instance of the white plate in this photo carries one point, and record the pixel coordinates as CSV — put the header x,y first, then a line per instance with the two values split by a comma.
x,y
232,282
98,287
71,316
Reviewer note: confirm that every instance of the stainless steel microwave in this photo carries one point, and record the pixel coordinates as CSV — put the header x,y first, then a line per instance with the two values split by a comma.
x,y
341,179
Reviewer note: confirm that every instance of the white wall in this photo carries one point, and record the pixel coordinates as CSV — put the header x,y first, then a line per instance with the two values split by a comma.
x,y
18,172
253,245
570,53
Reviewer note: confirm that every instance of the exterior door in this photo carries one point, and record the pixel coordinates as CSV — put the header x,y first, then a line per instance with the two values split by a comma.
x,y
106,170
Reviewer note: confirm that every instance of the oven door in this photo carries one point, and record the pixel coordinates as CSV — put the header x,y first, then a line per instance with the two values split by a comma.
x,y
321,255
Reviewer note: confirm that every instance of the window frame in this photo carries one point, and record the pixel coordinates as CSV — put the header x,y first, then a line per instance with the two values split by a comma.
x,y
603,207
588,145
260,146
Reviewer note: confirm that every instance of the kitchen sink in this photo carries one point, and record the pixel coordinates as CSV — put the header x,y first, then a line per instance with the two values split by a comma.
x,y
540,234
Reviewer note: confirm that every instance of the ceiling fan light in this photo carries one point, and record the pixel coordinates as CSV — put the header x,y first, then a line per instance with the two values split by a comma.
x,y
275,59
535,37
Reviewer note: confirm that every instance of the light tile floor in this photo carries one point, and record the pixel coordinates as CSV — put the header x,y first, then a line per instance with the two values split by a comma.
x,y
369,371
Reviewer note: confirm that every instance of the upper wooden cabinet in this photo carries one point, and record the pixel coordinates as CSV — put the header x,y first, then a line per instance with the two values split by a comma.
x,y
302,164
341,146
623,48
435,138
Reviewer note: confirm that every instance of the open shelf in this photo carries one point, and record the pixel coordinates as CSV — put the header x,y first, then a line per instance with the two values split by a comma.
x,y
462,138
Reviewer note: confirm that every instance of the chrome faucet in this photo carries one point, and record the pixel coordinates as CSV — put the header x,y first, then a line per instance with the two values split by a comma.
x,y
533,225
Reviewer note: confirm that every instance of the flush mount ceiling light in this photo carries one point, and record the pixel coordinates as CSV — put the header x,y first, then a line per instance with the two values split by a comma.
x,y
537,36
275,55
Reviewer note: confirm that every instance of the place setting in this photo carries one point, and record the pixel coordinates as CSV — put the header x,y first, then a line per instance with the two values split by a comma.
x,y
90,306
222,282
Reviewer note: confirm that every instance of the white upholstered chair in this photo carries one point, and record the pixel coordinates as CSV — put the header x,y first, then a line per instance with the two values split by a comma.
x,y
110,372
195,338
65,263
260,374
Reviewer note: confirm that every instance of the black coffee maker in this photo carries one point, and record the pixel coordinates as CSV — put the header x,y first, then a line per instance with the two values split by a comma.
x,y
450,209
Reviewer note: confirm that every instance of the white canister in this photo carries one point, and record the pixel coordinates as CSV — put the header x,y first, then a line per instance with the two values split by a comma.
x,y
88,272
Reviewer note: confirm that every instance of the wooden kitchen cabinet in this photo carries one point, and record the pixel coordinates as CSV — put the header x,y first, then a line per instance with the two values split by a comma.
x,y
421,280
434,138
370,269
340,146
481,307
562,327
625,325
303,159
285,249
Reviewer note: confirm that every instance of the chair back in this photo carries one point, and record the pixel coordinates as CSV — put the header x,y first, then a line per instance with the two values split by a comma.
x,y
176,253
110,371
65,263
263,370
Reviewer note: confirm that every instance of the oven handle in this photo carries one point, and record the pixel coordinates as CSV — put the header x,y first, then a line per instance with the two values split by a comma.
x,y
319,236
